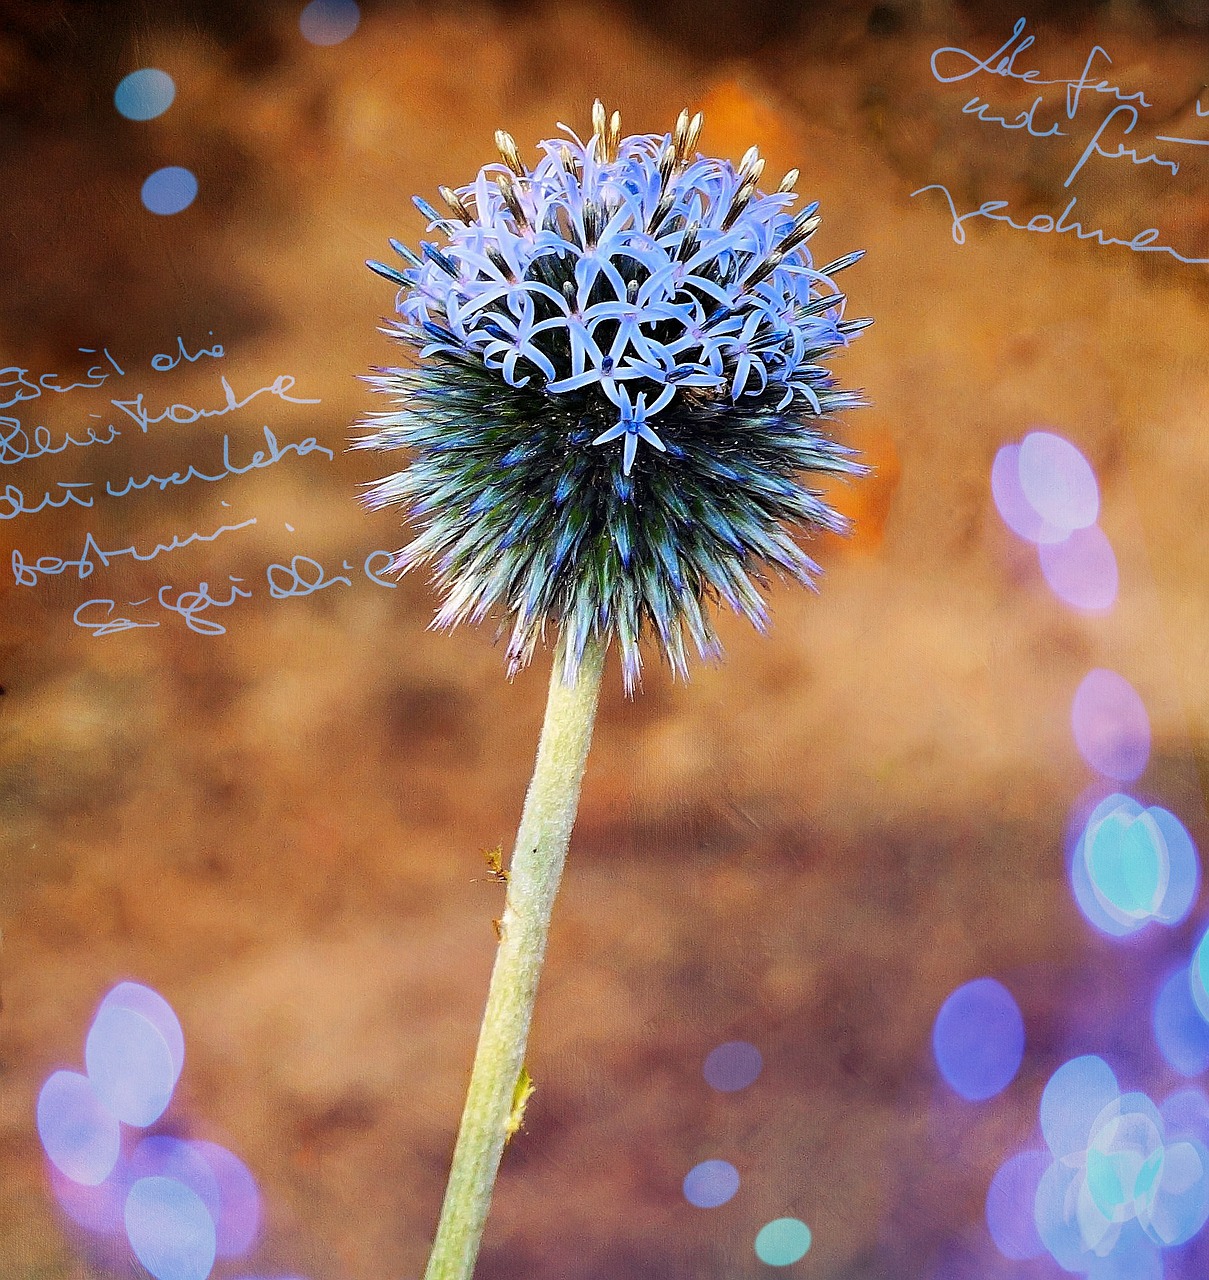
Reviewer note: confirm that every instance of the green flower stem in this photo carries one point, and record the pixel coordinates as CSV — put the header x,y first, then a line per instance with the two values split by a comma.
x,y
534,873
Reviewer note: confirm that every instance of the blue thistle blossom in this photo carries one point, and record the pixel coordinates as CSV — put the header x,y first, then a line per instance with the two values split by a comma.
x,y
618,391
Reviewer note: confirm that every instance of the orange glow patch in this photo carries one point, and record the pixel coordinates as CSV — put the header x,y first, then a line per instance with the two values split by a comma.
x,y
736,118
867,500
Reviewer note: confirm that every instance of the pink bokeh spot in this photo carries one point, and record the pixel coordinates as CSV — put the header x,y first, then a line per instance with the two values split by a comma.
x,y
1082,570
1017,511
1110,724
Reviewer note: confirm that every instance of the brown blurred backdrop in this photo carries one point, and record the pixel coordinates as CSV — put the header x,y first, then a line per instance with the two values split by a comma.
x,y
281,828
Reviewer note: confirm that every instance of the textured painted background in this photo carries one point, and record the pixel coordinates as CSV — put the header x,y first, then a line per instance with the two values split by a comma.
x,y
281,828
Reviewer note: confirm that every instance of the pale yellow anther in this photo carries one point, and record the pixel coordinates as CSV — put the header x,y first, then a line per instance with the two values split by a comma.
x,y
507,188
506,145
454,201
680,132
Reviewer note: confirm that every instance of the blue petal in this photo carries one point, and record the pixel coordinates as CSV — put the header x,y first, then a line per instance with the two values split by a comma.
x,y
631,448
618,429
650,437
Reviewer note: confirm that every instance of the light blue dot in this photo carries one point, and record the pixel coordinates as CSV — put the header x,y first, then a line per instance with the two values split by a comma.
x,y
1127,861
782,1242
1073,1099
1145,1183
145,94
1186,1115
169,190
79,1135
1094,905
1179,1030
1181,1205
129,1065
732,1066
1198,976
1183,867
1055,1219
161,1156
328,22
157,1011
1106,1185
978,1039
1133,1257
170,1229
711,1183
1009,1208
1124,1159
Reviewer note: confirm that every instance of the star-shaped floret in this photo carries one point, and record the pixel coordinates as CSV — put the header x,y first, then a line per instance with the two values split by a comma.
x,y
633,424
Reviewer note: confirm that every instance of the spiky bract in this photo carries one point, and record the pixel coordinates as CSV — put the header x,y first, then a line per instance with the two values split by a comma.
x,y
621,290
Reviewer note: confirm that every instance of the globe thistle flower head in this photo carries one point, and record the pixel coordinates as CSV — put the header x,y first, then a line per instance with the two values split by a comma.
x,y
619,395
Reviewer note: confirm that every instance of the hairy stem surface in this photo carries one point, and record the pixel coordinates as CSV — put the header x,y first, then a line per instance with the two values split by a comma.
x,y
534,874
